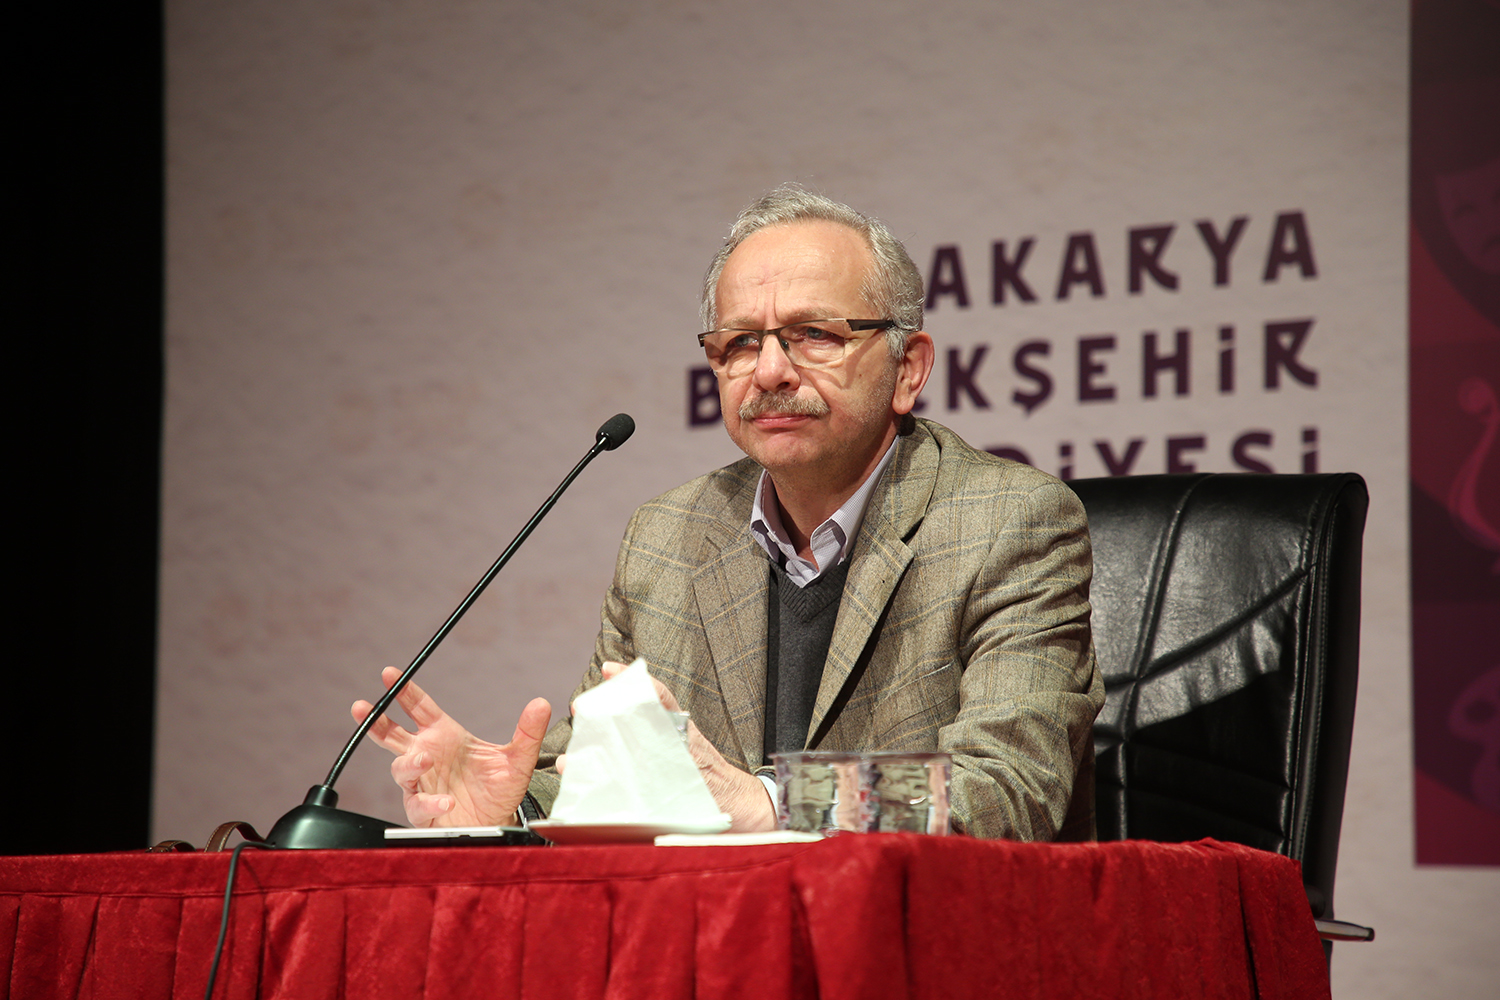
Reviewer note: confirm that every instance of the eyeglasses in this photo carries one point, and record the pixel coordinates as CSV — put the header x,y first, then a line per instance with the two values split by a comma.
x,y
812,343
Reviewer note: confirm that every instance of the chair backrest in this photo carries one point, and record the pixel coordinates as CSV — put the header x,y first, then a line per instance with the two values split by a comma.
x,y
1226,623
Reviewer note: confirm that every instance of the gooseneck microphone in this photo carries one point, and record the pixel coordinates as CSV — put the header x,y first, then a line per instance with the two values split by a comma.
x,y
612,433
316,822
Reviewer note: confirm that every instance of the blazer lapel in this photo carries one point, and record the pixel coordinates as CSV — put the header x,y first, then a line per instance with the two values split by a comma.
x,y
879,560
732,585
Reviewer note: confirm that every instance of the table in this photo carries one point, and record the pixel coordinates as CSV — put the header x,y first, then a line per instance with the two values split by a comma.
x,y
873,916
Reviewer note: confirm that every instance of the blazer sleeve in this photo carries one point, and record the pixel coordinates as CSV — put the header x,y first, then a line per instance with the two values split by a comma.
x,y
1022,740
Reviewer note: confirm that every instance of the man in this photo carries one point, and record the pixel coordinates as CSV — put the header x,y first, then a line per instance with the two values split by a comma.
x,y
862,581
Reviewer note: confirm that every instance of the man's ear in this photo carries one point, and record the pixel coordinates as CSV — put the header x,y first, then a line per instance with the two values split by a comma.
x,y
912,371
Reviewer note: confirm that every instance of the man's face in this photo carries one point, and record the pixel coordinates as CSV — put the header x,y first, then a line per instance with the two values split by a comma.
x,y
830,424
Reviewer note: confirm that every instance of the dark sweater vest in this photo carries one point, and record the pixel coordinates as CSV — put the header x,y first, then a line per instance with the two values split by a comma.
x,y
799,629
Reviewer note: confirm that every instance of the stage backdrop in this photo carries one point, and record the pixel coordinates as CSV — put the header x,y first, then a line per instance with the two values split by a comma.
x,y
417,254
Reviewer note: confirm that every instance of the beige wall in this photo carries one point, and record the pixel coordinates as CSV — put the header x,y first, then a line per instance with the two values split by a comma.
x,y
418,252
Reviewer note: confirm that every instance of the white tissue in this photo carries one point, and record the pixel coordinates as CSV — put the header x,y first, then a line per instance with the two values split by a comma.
x,y
627,762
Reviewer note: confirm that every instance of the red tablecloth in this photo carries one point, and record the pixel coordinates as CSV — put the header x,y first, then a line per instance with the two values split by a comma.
x,y
855,916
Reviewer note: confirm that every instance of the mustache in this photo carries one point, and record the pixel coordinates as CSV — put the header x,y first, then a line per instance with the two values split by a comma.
x,y
782,402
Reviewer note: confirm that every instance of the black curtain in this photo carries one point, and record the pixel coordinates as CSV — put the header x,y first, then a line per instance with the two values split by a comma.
x,y
87,398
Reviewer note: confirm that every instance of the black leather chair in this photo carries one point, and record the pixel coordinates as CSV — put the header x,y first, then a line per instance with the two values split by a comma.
x,y
1226,623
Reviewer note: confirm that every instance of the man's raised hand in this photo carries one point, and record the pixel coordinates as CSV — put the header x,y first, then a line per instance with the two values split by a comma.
x,y
448,776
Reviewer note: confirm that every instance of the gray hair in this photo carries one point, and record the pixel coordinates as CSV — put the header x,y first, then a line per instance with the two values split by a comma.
x,y
893,286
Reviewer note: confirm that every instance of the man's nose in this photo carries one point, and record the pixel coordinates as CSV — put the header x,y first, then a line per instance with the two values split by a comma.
x,y
773,368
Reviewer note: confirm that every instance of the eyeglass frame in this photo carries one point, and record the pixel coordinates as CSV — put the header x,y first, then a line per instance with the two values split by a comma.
x,y
855,326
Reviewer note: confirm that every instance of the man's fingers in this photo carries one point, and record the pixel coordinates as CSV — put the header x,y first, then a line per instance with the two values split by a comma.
x,y
383,731
703,752
531,727
408,769
423,809
667,698
413,700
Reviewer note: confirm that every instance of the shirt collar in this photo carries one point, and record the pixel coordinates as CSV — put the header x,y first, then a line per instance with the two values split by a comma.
x,y
831,541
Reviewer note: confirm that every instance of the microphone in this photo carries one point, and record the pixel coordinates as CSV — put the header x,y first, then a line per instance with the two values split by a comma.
x,y
615,431
317,822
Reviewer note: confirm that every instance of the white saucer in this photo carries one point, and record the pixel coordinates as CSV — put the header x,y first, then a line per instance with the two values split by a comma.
x,y
620,833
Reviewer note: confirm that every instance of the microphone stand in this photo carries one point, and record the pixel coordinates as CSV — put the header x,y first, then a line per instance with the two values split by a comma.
x,y
317,822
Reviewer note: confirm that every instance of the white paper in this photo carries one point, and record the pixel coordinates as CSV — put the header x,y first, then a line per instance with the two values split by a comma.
x,y
627,762
736,839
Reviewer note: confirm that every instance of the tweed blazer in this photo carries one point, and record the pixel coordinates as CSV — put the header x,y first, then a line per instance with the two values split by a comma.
x,y
964,627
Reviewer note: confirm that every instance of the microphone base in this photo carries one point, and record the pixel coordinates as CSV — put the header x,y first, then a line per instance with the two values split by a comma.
x,y
316,823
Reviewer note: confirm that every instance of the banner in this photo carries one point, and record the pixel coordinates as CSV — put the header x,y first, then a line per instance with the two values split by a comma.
x,y
1455,423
